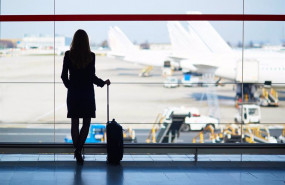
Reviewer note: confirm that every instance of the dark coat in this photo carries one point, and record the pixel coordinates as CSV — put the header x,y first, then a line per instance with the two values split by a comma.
x,y
80,95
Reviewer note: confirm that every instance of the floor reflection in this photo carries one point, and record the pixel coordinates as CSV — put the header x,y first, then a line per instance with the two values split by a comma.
x,y
78,180
143,172
83,174
115,175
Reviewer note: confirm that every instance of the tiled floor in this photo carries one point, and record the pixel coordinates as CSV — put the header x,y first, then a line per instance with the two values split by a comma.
x,y
142,170
65,157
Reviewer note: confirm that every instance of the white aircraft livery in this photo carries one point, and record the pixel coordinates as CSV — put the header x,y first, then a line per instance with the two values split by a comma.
x,y
202,50
122,47
258,65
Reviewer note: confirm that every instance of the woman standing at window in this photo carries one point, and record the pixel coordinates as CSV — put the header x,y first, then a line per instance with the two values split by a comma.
x,y
80,62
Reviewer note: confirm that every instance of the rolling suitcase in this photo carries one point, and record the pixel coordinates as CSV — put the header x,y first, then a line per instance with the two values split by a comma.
x,y
115,148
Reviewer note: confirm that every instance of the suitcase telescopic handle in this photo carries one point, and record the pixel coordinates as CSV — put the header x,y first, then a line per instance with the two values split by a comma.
x,y
107,103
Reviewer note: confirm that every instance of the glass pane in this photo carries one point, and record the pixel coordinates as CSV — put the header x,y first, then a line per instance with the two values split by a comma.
x,y
146,110
27,7
27,112
26,50
263,69
264,7
63,124
147,7
98,36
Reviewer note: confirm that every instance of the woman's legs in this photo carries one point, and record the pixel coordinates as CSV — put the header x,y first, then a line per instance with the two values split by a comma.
x,y
83,133
75,131
79,137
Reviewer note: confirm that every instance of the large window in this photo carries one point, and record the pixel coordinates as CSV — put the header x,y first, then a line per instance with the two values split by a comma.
x,y
172,81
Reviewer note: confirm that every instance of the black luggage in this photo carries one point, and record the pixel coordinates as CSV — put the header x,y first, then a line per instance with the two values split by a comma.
x,y
115,148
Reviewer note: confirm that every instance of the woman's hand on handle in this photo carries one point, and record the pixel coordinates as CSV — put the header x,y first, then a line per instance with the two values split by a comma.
x,y
107,82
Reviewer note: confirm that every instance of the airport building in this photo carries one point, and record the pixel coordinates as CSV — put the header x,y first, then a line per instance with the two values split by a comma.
x,y
193,109
41,42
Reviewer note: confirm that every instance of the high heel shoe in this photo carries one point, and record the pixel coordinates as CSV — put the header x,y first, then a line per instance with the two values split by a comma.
x,y
78,156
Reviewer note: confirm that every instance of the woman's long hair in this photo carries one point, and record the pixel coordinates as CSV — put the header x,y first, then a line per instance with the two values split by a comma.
x,y
80,53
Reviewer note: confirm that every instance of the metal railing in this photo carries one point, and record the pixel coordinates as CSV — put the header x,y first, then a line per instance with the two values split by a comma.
x,y
195,149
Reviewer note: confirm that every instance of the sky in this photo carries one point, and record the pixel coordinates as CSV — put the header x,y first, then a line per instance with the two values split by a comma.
x,y
154,32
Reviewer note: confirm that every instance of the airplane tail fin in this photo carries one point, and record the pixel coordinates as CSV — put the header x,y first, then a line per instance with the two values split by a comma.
x,y
118,41
209,36
183,41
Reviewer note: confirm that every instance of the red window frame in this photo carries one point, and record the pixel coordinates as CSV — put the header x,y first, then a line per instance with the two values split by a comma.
x,y
142,17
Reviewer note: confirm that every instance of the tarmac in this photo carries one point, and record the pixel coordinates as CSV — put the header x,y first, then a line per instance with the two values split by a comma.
x,y
32,95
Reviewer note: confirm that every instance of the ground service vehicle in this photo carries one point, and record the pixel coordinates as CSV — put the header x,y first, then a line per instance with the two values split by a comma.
x,y
171,82
199,122
193,120
248,113
97,134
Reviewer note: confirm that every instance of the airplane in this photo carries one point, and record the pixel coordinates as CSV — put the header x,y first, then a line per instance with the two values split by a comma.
x,y
259,66
209,53
122,48
201,49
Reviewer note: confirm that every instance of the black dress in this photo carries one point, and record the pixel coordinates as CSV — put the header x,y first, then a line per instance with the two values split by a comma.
x,y
80,95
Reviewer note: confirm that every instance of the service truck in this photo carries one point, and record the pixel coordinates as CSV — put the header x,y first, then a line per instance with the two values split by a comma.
x,y
248,113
